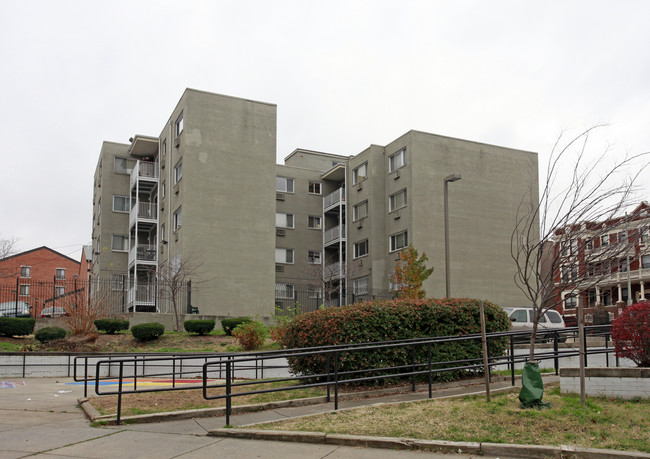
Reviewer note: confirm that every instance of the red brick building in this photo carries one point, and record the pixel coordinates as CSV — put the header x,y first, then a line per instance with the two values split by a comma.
x,y
603,263
39,277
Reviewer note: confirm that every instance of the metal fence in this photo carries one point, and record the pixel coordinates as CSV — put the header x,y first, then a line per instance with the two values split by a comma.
x,y
61,296
291,299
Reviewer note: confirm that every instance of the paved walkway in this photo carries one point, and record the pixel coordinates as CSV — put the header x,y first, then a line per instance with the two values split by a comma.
x,y
39,416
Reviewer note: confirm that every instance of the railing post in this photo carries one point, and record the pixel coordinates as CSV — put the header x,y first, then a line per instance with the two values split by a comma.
x,y
336,380
556,360
119,394
430,374
413,368
512,360
228,390
327,371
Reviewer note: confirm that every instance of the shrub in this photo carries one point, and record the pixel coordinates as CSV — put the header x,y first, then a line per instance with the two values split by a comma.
x,y
16,326
631,334
201,327
251,335
148,332
50,334
111,326
229,325
393,320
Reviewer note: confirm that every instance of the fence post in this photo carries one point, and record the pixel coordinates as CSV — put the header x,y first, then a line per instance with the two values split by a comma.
x,y
17,293
228,389
189,296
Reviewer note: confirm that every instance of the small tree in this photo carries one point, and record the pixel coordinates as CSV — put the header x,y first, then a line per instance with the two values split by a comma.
x,y
410,272
172,278
631,334
83,308
329,276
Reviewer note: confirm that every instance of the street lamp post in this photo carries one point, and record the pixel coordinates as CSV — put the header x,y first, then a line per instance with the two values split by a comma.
x,y
449,178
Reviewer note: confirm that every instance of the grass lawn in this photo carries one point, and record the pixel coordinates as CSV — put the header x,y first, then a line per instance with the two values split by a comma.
x,y
604,423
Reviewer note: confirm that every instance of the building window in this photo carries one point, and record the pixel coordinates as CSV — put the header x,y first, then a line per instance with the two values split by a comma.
x,y
178,171
399,241
164,148
314,222
361,248
397,200
284,184
122,166
360,211
121,203
565,274
118,281
25,271
397,160
313,257
360,173
604,240
283,255
283,220
570,301
574,246
178,218
314,187
179,124
119,243
162,232
60,290
645,235
314,291
589,244
645,261
162,189
60,273
621,238
284,291
622,265
360,286
24,290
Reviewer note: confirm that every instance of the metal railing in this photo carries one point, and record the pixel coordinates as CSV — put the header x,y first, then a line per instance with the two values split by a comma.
x,y
334,198
225,376
334,234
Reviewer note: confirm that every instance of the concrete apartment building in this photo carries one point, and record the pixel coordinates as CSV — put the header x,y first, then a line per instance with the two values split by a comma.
x,y
205,191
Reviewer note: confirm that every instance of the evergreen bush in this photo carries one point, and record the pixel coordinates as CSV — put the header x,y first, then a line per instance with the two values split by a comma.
x,y
631,334
200,326
111,326
16,326
229,325
148,331
393,320
251,335
50,334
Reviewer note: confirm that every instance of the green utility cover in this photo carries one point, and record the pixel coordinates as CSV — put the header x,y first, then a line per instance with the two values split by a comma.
x,y
532,387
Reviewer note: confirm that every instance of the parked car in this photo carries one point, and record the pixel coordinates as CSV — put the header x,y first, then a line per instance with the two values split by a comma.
x,y
56,311
522,319
10,309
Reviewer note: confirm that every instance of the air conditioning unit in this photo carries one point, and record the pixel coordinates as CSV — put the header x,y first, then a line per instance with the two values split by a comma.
x,y
396,174
279,268
280,232
279,196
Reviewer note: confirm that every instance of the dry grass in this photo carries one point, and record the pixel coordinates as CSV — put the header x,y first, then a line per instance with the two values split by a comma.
x,y
604,423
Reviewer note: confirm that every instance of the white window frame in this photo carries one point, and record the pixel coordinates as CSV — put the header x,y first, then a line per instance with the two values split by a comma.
x,y
284,184
124,245
397,160
178,171
162,232
644,235
315,187
125,199
178,218
361,286
164,148
283,220
26,272
315,218
360,173
163,186
59,273
178,125
395,238
357,213
287,290
645,261
118,281
314,257
284,256
359,245
23,290
120,170
604,240
59,290
393,200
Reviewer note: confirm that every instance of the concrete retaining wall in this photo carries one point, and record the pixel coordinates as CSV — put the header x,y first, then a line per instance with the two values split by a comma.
x,y
624,383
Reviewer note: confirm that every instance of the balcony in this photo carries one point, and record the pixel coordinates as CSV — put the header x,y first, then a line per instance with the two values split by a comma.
x,y
143,253
333,199
147,211
333,271
334,234
144,170
142,295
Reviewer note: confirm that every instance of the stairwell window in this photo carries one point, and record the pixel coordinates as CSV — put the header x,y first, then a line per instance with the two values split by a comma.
x,y
399,241
121,203
60,290
119,243
178,218
24,290
361,248
314,187
314,222
178,171
397,160
313,257
284,184
360,211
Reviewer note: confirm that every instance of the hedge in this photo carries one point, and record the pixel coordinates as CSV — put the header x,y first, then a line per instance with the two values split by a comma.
x,y
229,325
50,334
111,326
200,326
148,331
631,334
393,320
16,326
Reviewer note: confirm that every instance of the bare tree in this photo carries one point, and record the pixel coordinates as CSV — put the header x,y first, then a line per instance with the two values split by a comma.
x,y
85,305
172,280
576,219
7,248
330,277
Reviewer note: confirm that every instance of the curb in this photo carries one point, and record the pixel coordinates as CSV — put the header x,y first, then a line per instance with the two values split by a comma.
x,y
439,446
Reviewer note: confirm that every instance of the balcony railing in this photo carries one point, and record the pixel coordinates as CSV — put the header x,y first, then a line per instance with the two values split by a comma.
x,y
142,294
338,232
143,211
334,198
142,252
333,270
144,169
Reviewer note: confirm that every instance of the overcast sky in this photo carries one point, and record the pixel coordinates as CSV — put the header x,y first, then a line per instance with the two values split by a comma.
x,y
344,75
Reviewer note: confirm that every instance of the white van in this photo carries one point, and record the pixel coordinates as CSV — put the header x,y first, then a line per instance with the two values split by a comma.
x,y
522,319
